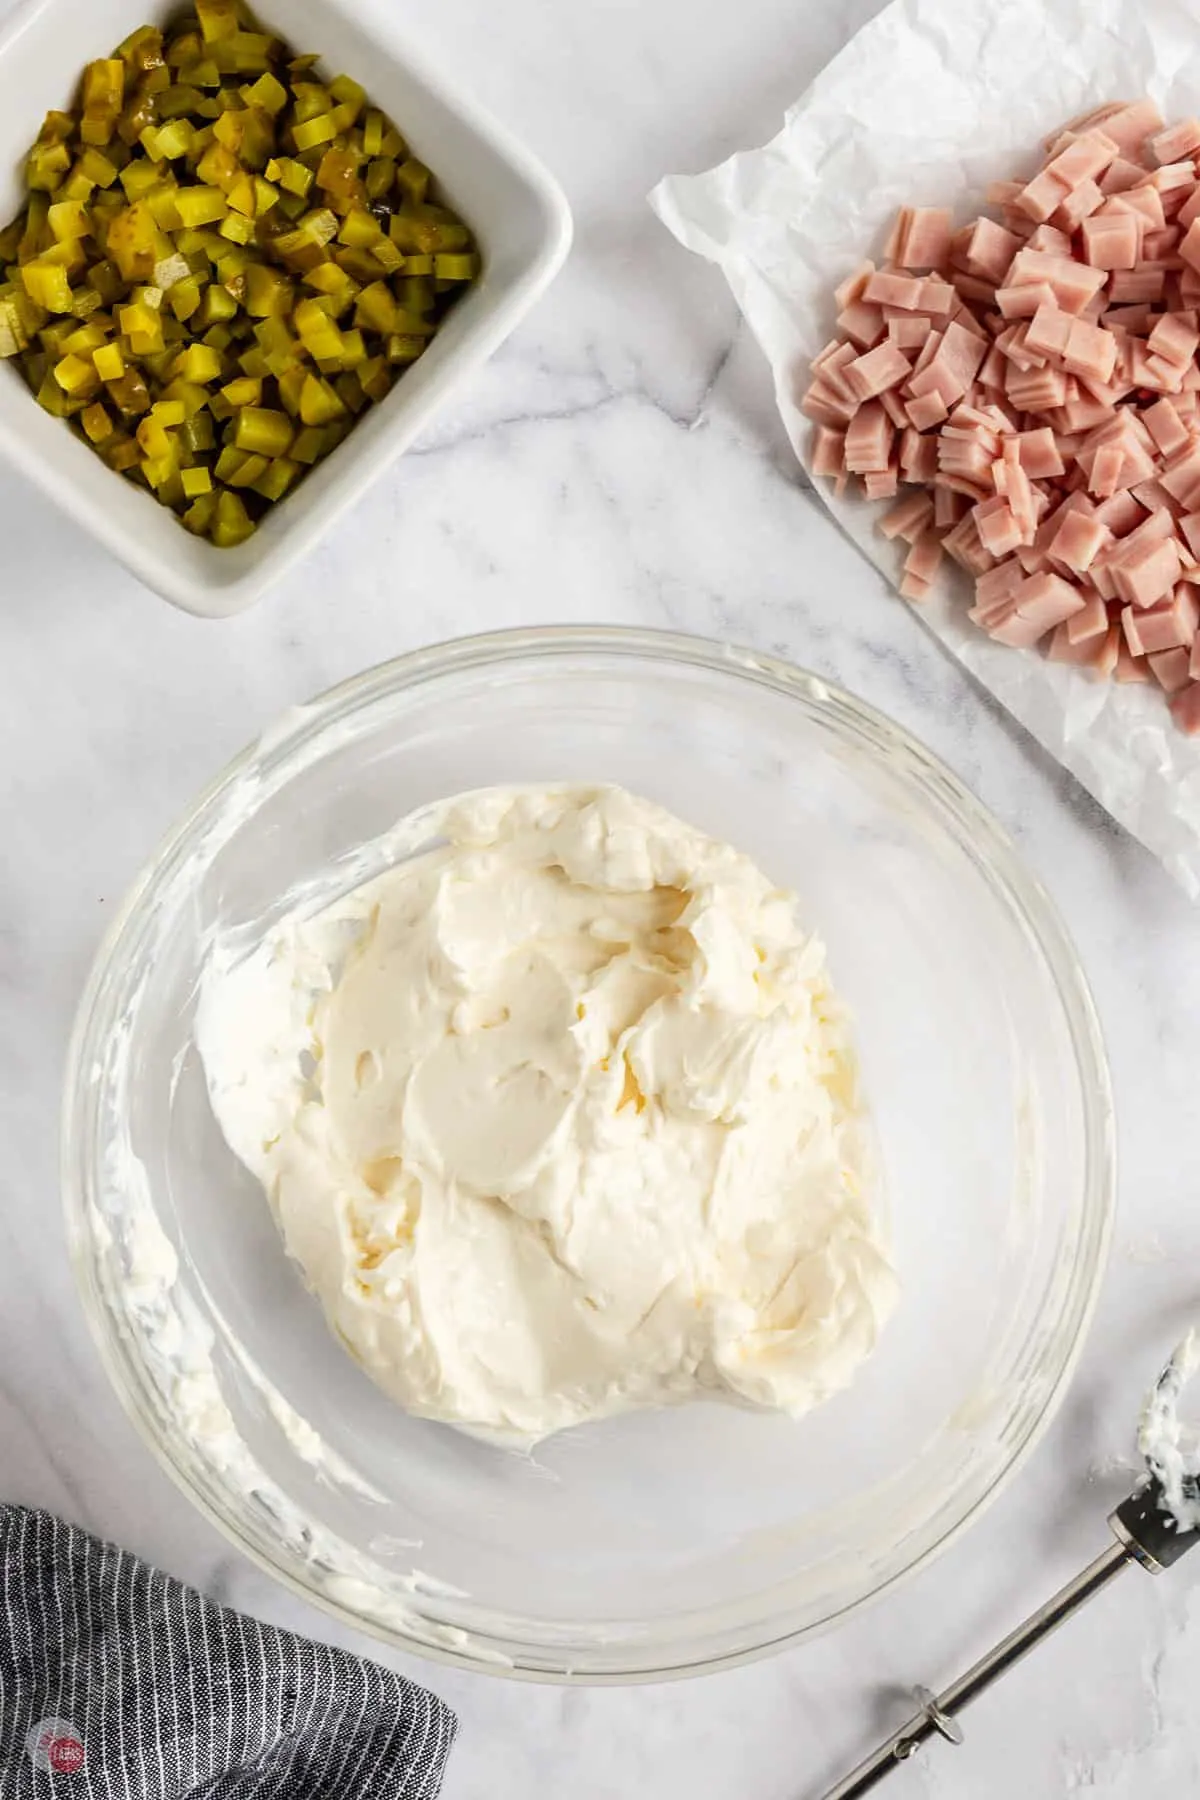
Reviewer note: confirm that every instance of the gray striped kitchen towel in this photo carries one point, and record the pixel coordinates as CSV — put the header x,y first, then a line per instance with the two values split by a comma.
x,y
119,1683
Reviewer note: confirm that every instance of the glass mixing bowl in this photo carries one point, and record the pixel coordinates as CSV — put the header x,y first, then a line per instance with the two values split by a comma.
x,y
659,1543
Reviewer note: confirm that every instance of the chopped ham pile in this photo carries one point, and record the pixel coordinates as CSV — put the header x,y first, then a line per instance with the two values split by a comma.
x,y
1032,382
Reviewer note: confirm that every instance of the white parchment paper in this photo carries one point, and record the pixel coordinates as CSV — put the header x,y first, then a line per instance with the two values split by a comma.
x,y
925,106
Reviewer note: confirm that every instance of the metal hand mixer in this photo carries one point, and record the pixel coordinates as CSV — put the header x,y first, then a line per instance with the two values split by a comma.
x,y
1157,1525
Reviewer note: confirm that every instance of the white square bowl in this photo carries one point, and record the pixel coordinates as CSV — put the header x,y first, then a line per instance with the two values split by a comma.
x,y
517,211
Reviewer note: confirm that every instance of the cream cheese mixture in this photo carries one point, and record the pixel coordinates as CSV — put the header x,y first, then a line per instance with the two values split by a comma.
x,y
559,1119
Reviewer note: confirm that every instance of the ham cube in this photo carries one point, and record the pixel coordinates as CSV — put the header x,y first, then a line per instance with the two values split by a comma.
x,y
926,411
1181,477
1023,302
884,367
1130,125
990,250
1189,247
1091,351
908,518
1042,196
881,484
1111,240
1040,455
1169,625
1042,602
1084,159
925,557
1091,622
828,449
1185,708
886,288
869,439
1148,574
861,323
1131,668
1049,331
1171,669
1165,426
925,243
999,529
1176,141
1096,656
1173,339
1078,541
1079,205
1138,284
909,331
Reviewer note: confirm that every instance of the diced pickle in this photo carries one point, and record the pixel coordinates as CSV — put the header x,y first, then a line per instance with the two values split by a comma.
x,y
262,431
222,261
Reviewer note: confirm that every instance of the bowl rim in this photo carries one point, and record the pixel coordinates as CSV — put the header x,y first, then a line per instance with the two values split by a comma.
x,y
1005,868
255,568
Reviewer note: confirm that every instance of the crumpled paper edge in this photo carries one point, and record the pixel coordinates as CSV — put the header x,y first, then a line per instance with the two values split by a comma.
x,y
993,80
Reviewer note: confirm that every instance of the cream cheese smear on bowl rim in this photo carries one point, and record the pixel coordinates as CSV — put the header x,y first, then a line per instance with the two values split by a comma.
x,y
559,1119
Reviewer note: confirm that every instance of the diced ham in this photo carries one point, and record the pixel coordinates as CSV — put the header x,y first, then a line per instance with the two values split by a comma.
x,y
1121,176
908,518
884,367
1142,283
1023,302
1034,381
1130,125
1129,667
828,450
1181,477
999,530
1078,541
1090,622
948,508
1176,141
861,323
887,288
925,557
1185,708
1168,625
1148,573
869,440
1171,669
1078,206
1097,656
908,332
1041,196
852,288
1040,455
1091,351
1073,283
1168,430
881,484
1087,156
926,411
952,368
1174,339
1144,203
925,242
1111,240
990,250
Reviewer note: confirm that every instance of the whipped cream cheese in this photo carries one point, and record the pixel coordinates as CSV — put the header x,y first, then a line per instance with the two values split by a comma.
x,y
559,1119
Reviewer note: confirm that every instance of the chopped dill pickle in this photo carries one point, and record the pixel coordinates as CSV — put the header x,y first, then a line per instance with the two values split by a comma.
x,y
222,261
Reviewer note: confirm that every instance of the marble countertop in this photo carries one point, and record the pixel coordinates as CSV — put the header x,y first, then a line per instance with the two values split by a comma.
x,y
619,461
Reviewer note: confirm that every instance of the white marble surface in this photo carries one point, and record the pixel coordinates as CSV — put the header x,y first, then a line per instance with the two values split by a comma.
x,y
620,461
